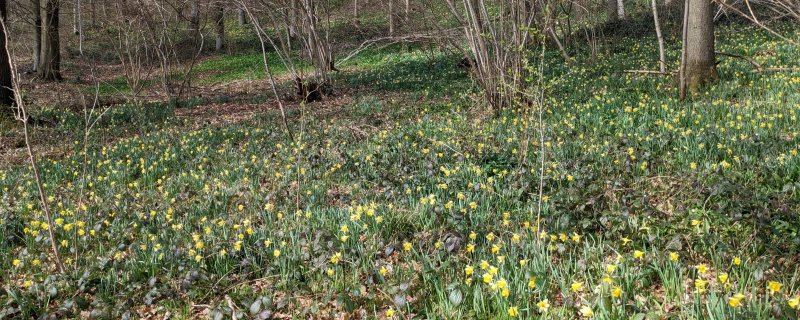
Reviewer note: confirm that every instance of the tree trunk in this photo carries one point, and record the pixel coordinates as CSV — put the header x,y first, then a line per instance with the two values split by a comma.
x,y
219,13
391,17
662,63
194,18
612,10
293,23
50,55
75,8
355,10
37,35
621,10
92,13
6,80
700,65
407,11
242,17
79,26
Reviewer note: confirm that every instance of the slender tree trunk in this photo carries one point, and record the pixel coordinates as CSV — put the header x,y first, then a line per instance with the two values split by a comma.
x,y
194,18
50,56
37,35
79,25
684,32
560,46
6,79
391,17
92,13
355,9
242,17
75,9
292,25
219,13
662,63
407,11
700,65
621,9
612,10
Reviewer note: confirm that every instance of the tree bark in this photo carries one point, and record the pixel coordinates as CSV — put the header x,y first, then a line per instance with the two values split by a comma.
x,y
92,13
50,55
219,17
391,17
75,8
662,63
612,10
79,25
242,17
37,35
621,9
194,18
700,65
294,21
6,79
406,13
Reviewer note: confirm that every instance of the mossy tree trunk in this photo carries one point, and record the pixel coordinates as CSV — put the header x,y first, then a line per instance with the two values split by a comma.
x,y
50,54
700,66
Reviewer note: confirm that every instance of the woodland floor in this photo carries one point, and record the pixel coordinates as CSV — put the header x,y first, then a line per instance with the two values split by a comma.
x,y
403,197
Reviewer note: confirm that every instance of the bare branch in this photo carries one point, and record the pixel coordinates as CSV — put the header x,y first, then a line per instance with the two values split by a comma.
x,y
22,116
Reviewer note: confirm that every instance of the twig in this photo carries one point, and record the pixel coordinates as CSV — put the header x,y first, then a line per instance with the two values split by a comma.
x,y
390,41
89,124
542,150
22,116
753,19
231,306
260,32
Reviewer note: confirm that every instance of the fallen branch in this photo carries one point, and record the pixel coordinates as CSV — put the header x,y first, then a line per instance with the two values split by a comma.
x,y
781,70
653,72
757,66
232,307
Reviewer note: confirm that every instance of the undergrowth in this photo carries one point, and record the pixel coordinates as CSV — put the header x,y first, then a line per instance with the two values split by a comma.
x,y
424,206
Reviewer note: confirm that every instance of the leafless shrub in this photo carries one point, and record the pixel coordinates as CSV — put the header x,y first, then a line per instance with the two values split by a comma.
x,y
497,34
